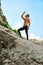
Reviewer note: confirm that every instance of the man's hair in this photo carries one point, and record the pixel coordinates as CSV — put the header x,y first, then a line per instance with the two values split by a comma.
x,y
28,15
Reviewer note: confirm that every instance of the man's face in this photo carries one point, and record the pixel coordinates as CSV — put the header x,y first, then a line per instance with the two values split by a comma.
x,y
26,16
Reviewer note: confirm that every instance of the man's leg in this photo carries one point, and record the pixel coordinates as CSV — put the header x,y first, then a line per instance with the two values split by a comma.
x,y
20,30
26,30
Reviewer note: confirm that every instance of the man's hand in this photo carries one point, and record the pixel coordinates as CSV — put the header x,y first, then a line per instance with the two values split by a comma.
x,y
24,12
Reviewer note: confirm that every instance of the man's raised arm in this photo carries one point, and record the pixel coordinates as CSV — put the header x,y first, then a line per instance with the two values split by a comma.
x,y
23,16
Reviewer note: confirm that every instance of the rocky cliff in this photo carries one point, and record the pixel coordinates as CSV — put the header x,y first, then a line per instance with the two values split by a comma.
x,y
17,51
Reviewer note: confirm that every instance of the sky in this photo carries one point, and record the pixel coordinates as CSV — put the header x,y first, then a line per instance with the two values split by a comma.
x,y
13,10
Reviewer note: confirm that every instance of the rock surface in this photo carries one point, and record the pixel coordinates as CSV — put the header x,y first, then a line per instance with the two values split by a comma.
x,y
17,51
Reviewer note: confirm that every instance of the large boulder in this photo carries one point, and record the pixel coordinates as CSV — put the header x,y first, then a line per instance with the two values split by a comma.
x,y
17,51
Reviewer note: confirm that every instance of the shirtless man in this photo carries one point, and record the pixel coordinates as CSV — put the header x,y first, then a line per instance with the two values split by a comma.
x,y
26,24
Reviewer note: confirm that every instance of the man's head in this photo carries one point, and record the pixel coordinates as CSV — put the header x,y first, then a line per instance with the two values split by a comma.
x,y
27,15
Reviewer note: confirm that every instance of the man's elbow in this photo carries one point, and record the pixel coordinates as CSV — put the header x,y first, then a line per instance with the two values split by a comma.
x,y
21,17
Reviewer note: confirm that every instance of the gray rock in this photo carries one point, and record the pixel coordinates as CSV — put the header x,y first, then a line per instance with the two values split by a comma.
x,y
17,51
7,61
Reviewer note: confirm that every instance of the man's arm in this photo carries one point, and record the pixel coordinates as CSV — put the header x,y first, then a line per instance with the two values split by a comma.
x,y
22,16
28,23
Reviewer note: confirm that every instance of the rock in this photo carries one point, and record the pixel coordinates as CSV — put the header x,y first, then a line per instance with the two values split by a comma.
x,y
0,48
7,61
17,51
1,21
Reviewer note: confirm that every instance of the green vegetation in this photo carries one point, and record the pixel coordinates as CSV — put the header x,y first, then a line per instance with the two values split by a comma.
x,y
15,31
6,24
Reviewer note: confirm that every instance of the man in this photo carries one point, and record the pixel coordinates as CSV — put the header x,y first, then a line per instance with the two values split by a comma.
x,y
26,24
